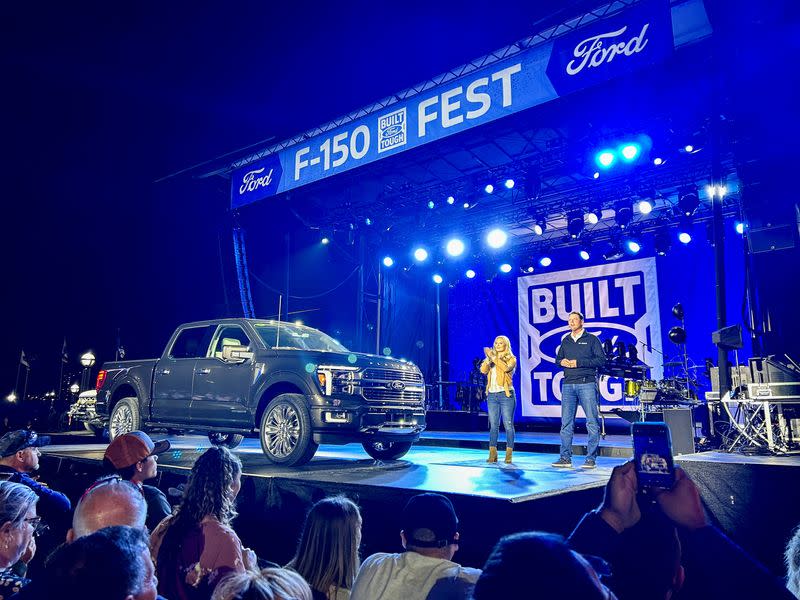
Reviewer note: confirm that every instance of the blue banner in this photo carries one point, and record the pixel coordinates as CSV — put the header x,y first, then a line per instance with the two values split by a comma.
x,y
607,48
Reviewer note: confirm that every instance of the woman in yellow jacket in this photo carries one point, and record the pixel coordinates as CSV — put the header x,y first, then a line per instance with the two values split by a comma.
x,y
499,366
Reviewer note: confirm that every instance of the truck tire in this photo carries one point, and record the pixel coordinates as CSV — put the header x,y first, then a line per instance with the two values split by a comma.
x,y
124,417
285,431
229,440
386,450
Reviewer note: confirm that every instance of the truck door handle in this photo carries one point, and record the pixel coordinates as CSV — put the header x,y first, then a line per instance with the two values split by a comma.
x,y
164,372
204,371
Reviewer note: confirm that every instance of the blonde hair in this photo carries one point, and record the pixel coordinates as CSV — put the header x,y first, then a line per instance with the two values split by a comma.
x,y
506,341
327,553
269,584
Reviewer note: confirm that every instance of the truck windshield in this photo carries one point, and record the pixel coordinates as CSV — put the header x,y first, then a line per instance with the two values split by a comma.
x,y
299,338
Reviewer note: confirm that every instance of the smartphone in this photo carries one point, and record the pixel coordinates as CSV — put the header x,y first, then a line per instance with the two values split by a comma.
x,y
652,451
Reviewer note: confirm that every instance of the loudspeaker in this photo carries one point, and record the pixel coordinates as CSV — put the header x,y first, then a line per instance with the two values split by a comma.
x,y
681,428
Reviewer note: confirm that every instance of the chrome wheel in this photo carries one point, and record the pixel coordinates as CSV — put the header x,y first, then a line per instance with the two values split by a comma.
x,y
121,420
281,431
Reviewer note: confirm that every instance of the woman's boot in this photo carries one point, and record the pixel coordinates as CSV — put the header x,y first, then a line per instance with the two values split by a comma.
x,y
492,454
509,452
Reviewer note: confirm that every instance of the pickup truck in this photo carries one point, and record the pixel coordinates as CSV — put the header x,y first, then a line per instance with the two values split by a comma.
x,y
292,386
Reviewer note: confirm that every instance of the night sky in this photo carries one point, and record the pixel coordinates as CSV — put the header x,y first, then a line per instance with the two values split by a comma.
x,y
101,100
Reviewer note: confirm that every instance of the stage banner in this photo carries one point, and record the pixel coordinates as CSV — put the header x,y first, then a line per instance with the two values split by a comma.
x,y
620,303
631,39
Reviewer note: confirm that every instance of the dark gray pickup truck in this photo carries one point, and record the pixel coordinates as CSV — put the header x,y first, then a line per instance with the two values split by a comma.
x,y
292,386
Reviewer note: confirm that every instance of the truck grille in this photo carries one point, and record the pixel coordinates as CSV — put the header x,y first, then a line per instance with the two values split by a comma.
x,y
384,395
392,375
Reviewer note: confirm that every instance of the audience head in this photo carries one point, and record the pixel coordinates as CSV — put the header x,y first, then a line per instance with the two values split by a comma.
x,y
212,487
111,564
20,449
430,526
792,557
18,521
269,584
134,456
108,501
541,559
327,554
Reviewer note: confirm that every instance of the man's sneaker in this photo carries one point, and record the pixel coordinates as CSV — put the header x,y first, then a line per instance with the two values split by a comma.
x,y
589,463
565,463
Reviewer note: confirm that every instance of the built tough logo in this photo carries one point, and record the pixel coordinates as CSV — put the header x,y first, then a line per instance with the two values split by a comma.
x,y
392,130
620,303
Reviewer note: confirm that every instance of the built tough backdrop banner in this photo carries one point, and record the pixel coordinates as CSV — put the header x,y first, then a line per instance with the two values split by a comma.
x,y
620,303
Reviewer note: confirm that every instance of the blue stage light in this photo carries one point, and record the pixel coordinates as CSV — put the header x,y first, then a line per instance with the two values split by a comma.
x,y
421,255
451,200
431,204
605,158
388,261
489,188
505,268
545,261
437,279
633,246
455,247
496,238
470,274
509,183
630,152
596,175
657,161
645,207
584,254
688,148
740,227
368,221
466,205
684,237
325,241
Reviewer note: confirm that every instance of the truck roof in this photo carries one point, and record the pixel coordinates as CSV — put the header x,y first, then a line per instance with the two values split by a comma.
x,y
237,320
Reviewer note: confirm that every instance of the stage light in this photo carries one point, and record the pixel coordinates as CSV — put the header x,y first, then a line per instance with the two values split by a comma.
x,y
509,183
489,188
496,238
645,207
684,237
623,213
505,268
451,200
470,274
614,251
545,261
325,240
421,255
604,159
575,223
630,152
593,216
388,261
596,175
716,190
367,221
455,247
662,242
528,269
431,204
677,335
437,279
688,148
633,246
466,205
657,161
739,227
584,254
677,311
540,226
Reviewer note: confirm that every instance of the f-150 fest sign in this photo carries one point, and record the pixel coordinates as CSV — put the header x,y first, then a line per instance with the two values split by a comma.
x,y
620,303
641,35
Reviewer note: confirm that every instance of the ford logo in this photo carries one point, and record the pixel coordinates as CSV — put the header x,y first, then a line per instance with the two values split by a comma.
x,y
397,386
392,130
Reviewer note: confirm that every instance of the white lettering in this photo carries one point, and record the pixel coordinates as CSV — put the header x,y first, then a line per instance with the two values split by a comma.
x,y
591,52
250,182
298,163
448,107
505,76
482,98
423,117
575,297
588,300
542,301
606,310
627,283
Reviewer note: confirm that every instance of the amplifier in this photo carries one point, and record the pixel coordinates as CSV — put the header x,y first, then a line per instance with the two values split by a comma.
x,y
739,376
774,392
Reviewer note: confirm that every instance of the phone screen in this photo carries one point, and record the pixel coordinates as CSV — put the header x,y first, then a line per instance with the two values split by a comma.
x,y
652,449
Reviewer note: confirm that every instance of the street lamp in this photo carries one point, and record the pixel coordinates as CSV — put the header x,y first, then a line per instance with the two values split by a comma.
x,y
12,397
87,360
75,388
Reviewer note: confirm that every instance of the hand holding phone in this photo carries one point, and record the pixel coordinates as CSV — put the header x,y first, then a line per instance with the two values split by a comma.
x,y
652,450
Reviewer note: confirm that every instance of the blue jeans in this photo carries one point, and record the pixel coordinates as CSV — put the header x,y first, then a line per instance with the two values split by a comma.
x,y
571,395
495,401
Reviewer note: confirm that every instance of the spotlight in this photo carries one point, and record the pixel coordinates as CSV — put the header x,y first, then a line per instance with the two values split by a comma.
x,y
505,268
466,205
509,183
645,207
596,175
470,274
575,223
421,255
540,226
684,237
630,152
489,188
658,161
623,213
437,279
431,204
451,200
614,251
455,247
584,254
605,158
545,261
528,269
688,148
677,311
388,261
632,246
662,243
367,221
739,227
594,215
496,238
325,240
688,201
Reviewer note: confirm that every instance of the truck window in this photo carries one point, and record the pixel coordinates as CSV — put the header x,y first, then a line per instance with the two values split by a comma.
x,y
192,342
229,335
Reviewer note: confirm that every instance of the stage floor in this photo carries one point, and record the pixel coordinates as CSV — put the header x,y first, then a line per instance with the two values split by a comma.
x,y
452,470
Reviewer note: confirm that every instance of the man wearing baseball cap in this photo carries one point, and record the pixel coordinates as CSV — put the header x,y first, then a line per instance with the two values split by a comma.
x,y
19,457
425,571
134,457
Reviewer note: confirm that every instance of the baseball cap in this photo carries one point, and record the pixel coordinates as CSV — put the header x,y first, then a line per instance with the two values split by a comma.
x,y
14,441
130,448
429,521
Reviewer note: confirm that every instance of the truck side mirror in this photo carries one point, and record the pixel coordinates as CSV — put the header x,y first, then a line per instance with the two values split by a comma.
x,y
236,354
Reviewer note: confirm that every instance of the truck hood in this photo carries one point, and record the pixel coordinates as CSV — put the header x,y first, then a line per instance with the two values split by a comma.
x,y
351,359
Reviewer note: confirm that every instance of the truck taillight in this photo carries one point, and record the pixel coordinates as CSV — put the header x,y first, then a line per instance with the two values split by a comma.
x,y
101,377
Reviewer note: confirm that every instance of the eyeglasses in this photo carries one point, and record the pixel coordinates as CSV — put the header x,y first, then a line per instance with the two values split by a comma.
x,y
38,526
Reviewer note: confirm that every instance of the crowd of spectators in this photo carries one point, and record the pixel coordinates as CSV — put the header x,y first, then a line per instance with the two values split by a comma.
x,y
633,546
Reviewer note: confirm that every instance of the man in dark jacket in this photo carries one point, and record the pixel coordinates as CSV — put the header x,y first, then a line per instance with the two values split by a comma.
x,y
580,354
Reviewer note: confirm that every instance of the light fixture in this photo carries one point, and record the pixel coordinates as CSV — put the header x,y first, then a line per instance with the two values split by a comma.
x,y
421,255
388,261
509,183
684,229
325,241
614,251
632,246
451,200
645,207
437,279
740,227
658,161
688,201
489,188
596,175
575,223
585,251
505,268
593,215
630,151
466,205
684,237
688,148
540,226
545,261
662,242
496,238
431,204
470,274
623,213
455,247
605,158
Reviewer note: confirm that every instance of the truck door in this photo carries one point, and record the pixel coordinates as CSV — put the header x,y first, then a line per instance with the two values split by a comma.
x,y
221,389
172,380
